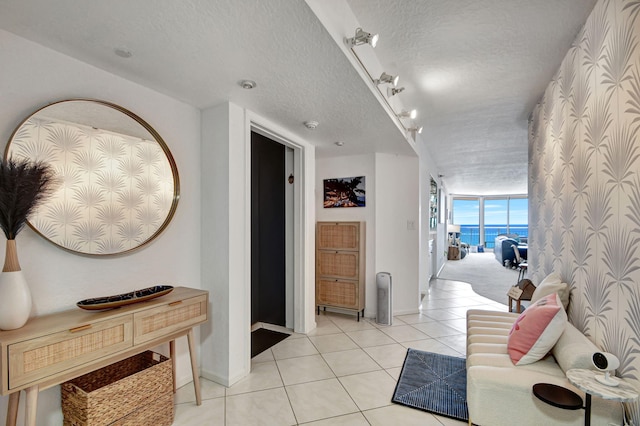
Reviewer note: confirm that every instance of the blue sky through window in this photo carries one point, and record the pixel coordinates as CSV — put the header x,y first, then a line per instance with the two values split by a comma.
x,y
467,212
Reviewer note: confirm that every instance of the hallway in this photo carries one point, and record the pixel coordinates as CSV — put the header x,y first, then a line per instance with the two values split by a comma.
x,y
344,373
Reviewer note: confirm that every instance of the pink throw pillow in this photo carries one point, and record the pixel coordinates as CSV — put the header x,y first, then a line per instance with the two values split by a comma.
x,y
536,330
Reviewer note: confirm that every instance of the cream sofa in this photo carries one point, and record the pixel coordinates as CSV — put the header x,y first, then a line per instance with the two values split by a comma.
x,y
500,393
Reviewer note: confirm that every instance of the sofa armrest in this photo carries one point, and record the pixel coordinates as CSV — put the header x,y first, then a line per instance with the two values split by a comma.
x,y
498,396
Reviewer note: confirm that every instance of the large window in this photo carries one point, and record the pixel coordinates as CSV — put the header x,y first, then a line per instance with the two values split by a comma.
x,y
481,219
519,216
466,213
496,219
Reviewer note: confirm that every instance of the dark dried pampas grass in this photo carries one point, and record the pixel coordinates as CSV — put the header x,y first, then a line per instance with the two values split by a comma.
x,y
23,185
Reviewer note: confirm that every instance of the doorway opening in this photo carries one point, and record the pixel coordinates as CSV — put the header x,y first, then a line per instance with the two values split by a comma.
x,y
272,236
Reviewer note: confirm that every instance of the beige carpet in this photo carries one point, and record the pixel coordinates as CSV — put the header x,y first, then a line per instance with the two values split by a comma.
x,y
485,274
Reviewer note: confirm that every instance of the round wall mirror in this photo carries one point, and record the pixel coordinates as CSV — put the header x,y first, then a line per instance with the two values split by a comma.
x,y
118,185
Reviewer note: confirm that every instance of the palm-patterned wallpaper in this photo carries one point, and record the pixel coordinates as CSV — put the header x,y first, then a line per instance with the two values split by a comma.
x,y
584,182
115,191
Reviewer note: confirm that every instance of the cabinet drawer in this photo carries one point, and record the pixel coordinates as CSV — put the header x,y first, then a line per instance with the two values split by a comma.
x,y
342,293
339,264
166,319
338,235
36,359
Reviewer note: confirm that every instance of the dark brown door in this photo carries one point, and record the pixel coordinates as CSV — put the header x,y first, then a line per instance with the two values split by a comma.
x,y
268,301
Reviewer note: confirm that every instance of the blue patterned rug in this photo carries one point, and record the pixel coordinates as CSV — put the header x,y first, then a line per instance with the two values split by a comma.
x,y
434,383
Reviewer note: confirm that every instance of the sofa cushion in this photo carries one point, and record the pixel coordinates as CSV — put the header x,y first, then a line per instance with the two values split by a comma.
x,y
552,284
573,349
536,330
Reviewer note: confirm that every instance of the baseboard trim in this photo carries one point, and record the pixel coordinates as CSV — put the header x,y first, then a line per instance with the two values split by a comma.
x,y
224,381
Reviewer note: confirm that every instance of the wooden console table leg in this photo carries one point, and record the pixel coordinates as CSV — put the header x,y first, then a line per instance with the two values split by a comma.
x,y
172,355
31,405
12,410
194,366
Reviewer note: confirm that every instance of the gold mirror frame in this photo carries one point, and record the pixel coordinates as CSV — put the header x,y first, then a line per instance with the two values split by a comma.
x,y
116,193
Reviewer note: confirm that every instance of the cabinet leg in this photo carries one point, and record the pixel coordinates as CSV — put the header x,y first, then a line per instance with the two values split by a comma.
x,y
12,410
31,406
318,309
358,316
172,355
194,366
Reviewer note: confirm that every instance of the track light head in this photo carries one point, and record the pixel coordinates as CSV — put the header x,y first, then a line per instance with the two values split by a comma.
x,y
363,37
414,130
386,78
392,91
408,114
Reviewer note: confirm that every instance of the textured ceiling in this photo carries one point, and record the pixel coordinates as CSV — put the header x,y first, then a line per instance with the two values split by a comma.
x,y
473,69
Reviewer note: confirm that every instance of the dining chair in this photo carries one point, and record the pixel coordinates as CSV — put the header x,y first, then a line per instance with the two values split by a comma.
x,y
521,263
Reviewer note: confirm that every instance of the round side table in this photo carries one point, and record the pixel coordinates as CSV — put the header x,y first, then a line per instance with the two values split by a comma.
x,y
557,396
585,380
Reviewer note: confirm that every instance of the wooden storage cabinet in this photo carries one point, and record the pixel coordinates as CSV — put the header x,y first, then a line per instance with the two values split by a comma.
x,y
340,266
54,348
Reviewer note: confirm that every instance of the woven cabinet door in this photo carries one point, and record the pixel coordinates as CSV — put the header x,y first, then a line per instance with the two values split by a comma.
x,y
340,265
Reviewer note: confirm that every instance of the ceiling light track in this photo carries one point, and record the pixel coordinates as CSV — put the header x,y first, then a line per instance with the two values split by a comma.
x,y
413,131
363,37
392,91
387,78
408,114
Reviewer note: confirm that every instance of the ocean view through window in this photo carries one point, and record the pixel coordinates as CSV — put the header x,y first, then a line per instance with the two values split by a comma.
x,y
482,219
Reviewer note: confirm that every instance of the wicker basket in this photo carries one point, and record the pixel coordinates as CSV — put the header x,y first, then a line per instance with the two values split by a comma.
x,y
134,391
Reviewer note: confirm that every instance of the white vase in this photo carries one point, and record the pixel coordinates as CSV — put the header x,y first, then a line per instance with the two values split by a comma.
x,y
15,300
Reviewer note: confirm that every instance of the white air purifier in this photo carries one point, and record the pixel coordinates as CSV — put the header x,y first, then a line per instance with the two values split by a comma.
x,y
385,299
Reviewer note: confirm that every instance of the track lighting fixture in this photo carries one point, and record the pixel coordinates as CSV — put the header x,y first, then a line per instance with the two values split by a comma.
x,y
417,130
408,114
363,37
386,78
392,91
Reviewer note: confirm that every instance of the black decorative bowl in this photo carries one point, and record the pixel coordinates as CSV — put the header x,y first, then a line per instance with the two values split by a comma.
x,y
109,302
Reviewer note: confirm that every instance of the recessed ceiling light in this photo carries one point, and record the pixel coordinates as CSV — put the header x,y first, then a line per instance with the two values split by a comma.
x,y
123,52
248,84
311,125
339,143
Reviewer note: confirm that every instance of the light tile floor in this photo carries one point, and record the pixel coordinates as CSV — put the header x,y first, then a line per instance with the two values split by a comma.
x,y
342,373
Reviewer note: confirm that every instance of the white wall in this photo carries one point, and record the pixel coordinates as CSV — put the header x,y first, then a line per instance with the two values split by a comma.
x,y
32,76
226,242
225,265
428,170
391,201
397,241
350,166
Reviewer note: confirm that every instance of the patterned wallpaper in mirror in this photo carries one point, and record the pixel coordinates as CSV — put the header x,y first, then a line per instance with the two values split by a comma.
x,y
115,191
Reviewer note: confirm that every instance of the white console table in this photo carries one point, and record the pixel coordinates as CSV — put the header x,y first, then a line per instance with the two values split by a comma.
x,y
54,348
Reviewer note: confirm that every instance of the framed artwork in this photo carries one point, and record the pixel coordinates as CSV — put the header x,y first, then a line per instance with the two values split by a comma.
x,y
344,192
